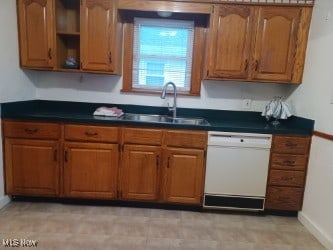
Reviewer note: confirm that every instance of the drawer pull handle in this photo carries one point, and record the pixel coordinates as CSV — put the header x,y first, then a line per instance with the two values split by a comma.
x,y
31,131
291,145
289,163
89,133
286,178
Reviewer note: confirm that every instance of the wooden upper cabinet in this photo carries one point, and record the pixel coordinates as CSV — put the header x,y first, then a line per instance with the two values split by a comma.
x,y
257,43
36,33
229,45
275,46
98,18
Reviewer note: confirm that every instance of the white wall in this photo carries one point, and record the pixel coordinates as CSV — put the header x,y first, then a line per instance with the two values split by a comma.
x,y
15,85
312,99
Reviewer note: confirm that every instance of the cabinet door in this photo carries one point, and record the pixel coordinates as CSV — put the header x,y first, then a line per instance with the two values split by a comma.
x,y
140,172
36,31
275,45
97,26
90,170
230,40
32,167
183,177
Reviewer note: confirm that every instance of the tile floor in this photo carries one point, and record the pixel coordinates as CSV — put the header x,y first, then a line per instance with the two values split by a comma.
x,y
63,226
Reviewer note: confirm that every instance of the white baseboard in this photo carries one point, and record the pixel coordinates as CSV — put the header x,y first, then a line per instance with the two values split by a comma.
x,y
321,236
4,200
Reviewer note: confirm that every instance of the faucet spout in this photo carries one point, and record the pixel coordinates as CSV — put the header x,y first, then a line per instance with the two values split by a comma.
x,y
163,96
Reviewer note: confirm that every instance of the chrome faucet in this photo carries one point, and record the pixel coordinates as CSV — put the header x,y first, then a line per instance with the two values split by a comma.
x,y
163,95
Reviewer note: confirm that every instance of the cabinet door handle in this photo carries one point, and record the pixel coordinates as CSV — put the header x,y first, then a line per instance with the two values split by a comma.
x,y
55,155
90,133
50,54
157,161
246,65
168,165
110,57
256,66
66,156
31,131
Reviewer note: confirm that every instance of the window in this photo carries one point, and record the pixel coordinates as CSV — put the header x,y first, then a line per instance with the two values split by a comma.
x,y
158,51
162,52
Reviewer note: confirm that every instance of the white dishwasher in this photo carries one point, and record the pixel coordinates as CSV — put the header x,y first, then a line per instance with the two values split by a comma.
x,y
236,170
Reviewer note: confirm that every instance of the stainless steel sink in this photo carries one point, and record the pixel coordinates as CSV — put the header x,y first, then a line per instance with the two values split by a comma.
x,y
164,119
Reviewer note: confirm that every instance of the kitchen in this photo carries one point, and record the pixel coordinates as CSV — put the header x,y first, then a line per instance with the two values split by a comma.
x,y
311,100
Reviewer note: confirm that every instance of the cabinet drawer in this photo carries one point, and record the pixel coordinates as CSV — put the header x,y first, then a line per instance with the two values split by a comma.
x,y
31,130
91,133
284,198
185,138
142,136
291,144
289,162
286,178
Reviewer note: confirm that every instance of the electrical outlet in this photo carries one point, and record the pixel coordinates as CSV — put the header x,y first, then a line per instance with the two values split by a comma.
x,y
247,103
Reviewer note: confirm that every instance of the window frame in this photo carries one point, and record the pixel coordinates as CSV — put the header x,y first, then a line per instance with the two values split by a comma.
x,y
197,61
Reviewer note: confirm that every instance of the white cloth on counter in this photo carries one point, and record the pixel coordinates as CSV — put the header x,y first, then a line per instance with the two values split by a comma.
x,y
276,108
105,111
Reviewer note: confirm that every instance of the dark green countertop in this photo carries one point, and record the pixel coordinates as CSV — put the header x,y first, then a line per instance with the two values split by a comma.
x,y
220,120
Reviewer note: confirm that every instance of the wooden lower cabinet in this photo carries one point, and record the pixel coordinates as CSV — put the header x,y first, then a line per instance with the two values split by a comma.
x,y
31,167
287,172
183,176
140,171
90,170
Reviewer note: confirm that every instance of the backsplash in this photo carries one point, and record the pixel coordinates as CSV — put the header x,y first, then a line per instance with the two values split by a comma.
x,y
222,95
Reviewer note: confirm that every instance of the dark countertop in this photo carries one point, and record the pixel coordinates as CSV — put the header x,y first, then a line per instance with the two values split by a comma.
x,y
220,120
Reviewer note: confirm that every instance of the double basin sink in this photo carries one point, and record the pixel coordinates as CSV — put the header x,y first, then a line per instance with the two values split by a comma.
x,y
165,119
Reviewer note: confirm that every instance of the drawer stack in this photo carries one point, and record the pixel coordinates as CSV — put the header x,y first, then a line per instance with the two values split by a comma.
x,y
287,173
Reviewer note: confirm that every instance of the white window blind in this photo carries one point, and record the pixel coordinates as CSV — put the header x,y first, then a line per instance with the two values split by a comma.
x,y
162,52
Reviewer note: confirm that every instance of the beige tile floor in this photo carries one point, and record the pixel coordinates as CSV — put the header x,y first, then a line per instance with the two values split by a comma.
x,y
63,226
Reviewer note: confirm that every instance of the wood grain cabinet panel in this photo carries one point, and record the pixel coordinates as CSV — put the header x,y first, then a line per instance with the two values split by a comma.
x,y
36,33
90,170
275,46
284,198
288,162
183,176
287,173
185,138
91,133
140,171
33,130
31,167
142,136
291,144
98,27
269,45
229,54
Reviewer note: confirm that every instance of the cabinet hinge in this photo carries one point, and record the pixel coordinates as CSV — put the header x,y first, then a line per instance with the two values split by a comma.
x,y
207,72
213,8
81,2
